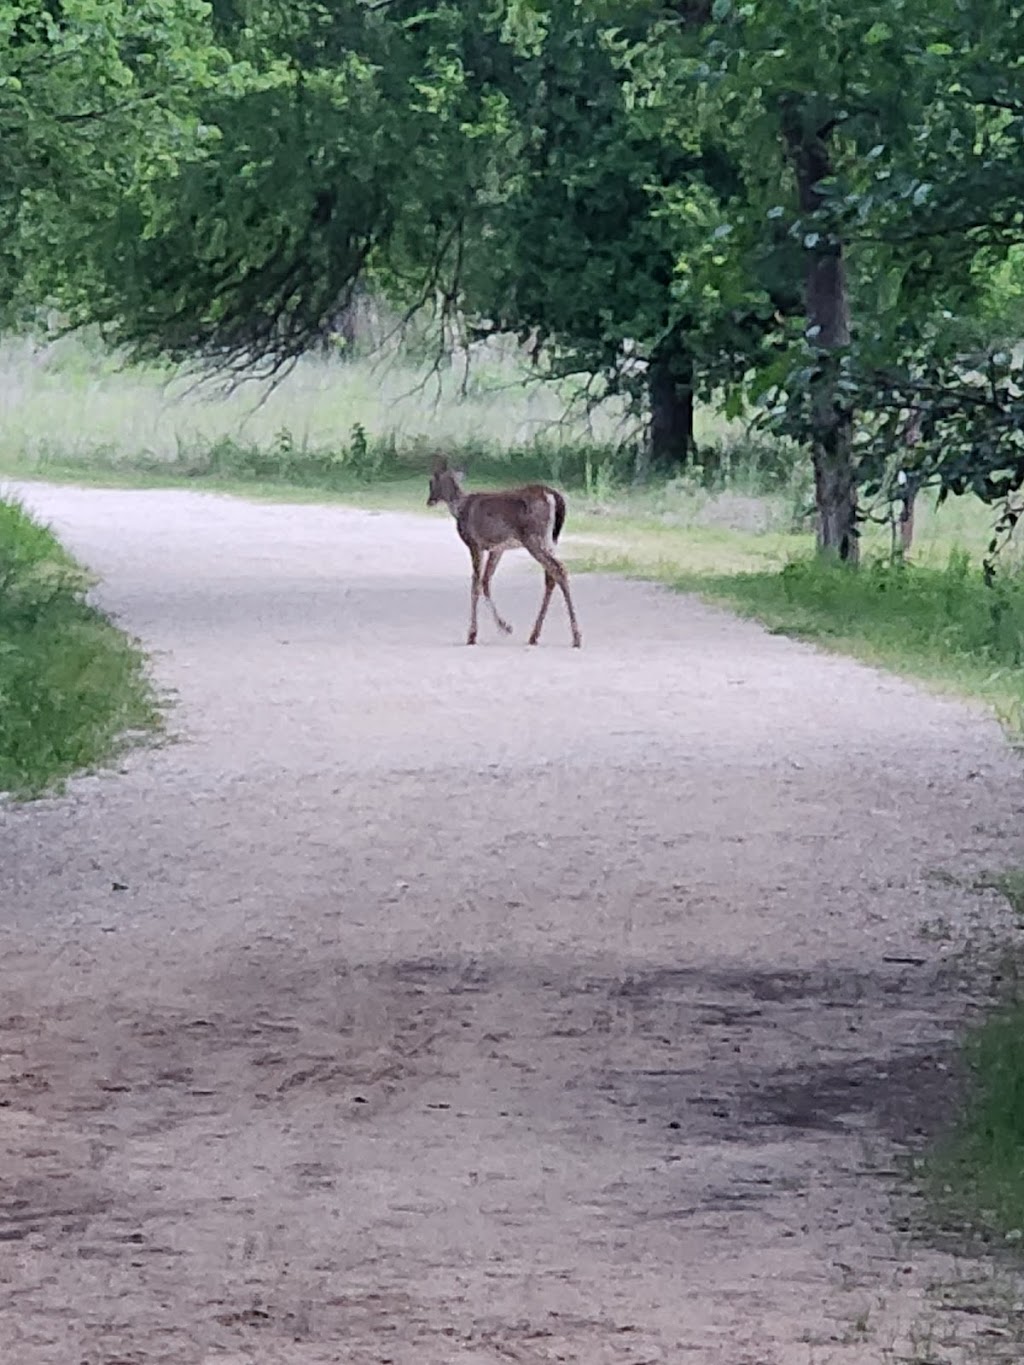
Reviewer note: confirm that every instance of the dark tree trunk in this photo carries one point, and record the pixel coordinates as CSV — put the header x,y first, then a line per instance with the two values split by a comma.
x,y
835,493
828,324
670,391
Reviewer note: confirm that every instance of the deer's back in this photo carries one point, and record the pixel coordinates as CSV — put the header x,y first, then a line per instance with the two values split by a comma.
x,y
514,516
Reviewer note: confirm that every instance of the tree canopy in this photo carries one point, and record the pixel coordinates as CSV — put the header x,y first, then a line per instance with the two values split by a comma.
x,y
808,211
98,98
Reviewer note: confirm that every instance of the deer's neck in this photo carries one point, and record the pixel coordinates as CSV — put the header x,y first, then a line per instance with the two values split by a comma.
x,y
455,501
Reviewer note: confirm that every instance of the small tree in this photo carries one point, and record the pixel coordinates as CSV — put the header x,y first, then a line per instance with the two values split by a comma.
x,y
609,197
828,110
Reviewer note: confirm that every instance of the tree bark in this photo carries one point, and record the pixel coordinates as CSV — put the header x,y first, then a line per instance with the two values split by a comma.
x,y
907,520
670,392
909,483
828,325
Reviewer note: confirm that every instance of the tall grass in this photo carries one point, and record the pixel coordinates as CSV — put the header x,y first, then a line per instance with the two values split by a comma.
x,y
72,400
72,687
68,409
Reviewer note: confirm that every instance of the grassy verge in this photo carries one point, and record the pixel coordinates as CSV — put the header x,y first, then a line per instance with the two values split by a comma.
x,y
936,622
976,1176
72,687
943,626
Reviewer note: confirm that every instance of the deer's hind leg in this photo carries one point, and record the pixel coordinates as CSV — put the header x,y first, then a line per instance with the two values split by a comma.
x,y
493,559
554,572
549,587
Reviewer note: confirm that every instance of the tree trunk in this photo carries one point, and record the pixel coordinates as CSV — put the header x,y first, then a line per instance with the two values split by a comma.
x,y
909,483
835,493
828,326
907,523
345,328
670,391
905,520
835,479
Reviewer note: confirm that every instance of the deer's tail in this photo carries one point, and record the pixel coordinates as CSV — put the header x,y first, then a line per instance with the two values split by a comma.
x,y
556,530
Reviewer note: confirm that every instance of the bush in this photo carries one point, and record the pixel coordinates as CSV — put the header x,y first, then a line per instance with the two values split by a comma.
x,y
72,687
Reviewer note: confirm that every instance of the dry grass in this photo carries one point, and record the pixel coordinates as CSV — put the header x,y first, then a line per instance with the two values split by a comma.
x,y
71,400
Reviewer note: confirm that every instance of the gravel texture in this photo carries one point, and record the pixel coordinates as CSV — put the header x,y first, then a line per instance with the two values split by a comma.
x,y
420,1004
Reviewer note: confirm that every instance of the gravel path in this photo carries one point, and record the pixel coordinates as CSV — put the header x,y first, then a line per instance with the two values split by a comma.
x,y
427,1005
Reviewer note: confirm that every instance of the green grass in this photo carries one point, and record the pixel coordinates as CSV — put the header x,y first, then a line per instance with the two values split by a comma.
x,y
1008,884
72,687
976,1176
933,619
942,626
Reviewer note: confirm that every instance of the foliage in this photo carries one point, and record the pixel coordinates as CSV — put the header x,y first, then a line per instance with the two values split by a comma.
x,y
951,214
350,153
97,97
809,210
933,221
580,247
972,432
880,136
71,685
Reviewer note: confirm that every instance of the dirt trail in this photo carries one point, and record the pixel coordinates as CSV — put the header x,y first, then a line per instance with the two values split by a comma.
x,y
430,1005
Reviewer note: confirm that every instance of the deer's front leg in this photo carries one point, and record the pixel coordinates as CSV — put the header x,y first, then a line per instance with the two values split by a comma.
x,y
493,559
474,600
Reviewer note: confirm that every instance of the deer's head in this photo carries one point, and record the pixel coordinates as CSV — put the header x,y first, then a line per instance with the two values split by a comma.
x,y
445,485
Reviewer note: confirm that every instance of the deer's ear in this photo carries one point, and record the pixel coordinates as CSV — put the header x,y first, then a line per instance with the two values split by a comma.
x,y
440,464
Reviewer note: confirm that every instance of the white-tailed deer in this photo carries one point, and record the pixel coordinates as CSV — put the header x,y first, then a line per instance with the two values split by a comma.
x,y
491,523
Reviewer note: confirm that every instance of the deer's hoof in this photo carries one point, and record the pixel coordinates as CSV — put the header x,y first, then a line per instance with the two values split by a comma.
x,y
471,640
533,640
578,642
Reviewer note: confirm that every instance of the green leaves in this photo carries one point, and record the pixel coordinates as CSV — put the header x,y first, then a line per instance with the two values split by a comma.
x,y
344,140
96,96
613,182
